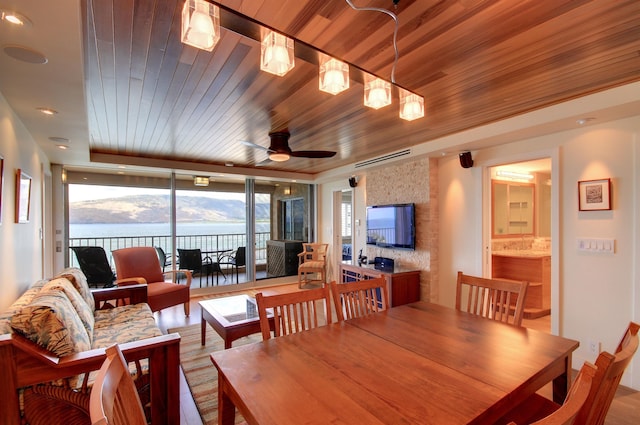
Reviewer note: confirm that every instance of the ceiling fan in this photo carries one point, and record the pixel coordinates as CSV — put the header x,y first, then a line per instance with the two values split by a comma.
x,y
280,151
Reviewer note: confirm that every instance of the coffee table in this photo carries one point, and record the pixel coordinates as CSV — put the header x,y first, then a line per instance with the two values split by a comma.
x,y
232,317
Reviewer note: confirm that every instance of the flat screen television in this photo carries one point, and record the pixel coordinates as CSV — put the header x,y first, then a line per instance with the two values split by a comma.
x,y
391,226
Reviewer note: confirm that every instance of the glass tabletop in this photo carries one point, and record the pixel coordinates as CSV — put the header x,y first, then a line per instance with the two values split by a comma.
x,y
234,308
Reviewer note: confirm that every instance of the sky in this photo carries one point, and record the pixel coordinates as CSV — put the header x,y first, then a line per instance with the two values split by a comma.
x,y
80,192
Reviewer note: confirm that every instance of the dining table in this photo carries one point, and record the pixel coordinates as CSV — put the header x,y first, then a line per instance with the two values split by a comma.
x,y
419,363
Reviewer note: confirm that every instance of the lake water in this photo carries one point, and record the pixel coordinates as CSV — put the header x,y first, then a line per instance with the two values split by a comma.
x,y
159,229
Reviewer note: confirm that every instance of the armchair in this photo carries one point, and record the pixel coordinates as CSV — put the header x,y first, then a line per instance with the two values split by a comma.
x,y
141,265
312,260
235,260
95,266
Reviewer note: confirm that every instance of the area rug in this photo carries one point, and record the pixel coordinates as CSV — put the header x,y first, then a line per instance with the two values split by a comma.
x,y
200,372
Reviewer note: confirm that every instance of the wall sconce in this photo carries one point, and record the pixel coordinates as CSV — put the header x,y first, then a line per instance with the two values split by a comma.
x,y
334,75
201,181
411,105
276,53
200,24
377,92
287,190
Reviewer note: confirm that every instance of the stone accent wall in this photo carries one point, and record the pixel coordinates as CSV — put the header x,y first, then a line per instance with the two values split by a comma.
x,y
410,182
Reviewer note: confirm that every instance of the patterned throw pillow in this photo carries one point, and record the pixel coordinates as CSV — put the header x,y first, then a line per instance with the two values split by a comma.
x,y
5,316
50,321
79,280
83,310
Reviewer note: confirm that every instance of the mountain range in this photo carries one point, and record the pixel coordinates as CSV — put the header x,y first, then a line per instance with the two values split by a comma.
x,y
156,209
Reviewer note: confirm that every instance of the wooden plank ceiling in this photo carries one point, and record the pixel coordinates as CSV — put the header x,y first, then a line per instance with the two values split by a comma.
x,y
474,61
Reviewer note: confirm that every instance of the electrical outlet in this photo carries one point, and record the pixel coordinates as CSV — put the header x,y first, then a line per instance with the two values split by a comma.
x,y
594,347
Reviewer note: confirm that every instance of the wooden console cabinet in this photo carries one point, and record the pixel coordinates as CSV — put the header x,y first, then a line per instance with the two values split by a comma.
x,y
403,285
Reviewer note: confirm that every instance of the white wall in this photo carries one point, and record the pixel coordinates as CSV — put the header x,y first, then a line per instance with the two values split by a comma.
x,y
21,259
599,294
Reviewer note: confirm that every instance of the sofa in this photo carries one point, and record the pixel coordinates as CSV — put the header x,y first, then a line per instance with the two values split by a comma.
x,y
53,340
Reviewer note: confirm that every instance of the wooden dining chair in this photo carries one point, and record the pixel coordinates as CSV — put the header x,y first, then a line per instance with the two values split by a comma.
x,y
575,401
114,399
496,299
359,298
610,368
294,311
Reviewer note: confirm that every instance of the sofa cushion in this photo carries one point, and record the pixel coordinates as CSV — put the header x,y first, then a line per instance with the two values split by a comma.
x,y
79,280
51,321
124,324
83,310
24,299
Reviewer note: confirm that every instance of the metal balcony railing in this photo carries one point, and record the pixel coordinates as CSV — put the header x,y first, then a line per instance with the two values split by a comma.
x,y
203,242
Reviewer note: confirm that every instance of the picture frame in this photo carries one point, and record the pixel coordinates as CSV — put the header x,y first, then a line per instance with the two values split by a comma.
x,y
23,196
594,195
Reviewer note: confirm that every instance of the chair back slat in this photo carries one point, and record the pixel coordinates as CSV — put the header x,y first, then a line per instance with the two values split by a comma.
x,y
294,311
495,299
607,379
359,298
575,401
114,399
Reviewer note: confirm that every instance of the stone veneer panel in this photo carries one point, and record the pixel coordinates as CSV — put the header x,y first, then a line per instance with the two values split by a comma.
x,y
410,182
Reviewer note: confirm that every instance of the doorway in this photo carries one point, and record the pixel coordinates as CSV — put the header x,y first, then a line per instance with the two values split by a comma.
x,y
343,227
519,244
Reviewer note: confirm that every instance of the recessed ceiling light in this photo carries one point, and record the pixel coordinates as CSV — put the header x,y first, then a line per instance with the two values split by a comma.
x,y
47,111
63,147
14,18
25,54
583,121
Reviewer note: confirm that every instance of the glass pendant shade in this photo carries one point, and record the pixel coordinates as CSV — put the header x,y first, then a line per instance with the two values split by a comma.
x,y
377,92
411,105
334,75
200,24
276,53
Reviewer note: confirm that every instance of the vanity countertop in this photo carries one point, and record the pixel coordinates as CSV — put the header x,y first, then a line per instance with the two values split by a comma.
x,y
528,253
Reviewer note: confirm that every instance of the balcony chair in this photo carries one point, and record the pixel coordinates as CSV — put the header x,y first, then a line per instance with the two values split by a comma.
x,y
94,264
495,299
114,399
359,298
293,311
312,260
192,259
141,265
605,383
162,257
235,260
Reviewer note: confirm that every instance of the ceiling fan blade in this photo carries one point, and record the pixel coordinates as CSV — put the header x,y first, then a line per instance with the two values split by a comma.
x,y
263,162
253,145
313,154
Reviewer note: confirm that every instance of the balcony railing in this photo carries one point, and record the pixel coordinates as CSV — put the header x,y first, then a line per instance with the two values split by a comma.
x,y
203,242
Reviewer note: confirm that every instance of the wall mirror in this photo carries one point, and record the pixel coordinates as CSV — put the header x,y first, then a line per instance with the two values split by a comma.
x,y
513,209
23,197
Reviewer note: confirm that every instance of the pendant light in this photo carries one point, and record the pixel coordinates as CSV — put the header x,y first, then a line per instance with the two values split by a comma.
x,y
200,24
411,105
276,53
334,75
377,92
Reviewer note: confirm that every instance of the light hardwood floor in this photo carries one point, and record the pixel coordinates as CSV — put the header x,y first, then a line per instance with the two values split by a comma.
x,y
625,409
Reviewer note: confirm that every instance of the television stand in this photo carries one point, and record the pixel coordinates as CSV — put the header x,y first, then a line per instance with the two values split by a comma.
x,y
403,285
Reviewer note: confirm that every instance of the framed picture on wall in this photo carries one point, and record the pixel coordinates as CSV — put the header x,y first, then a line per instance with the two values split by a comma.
x,y
594,195
23,196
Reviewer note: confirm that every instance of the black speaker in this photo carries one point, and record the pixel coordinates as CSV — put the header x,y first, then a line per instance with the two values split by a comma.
x,y
465,160
353,181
